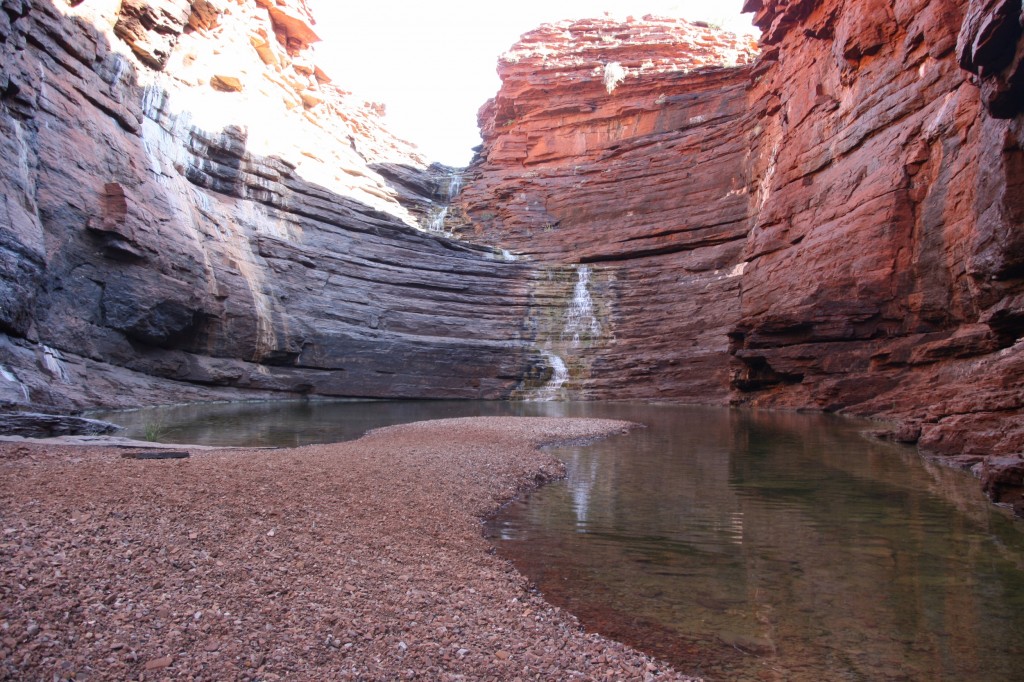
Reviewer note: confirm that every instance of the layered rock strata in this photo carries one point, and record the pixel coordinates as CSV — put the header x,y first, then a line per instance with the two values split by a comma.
x,y
621,147
836,225
832,223
193,211
888,213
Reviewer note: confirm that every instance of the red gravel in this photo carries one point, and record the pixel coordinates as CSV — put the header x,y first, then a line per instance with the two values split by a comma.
x,y
360,560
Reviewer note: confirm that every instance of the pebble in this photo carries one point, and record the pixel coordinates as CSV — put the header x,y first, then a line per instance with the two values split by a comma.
x,y
159,663
406,583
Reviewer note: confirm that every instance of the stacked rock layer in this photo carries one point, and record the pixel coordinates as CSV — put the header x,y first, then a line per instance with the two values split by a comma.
x,y
836,224
831,219
193,211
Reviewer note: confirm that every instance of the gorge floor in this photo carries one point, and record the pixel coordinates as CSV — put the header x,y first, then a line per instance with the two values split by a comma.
x,y
362,560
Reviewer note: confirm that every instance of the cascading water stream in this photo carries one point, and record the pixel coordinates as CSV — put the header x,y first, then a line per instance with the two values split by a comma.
x,y
559,375
580,318
439,214
581,325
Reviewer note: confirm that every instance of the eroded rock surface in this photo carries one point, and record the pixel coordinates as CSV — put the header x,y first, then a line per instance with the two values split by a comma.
x,y
831,222
836,225
192,210
885,256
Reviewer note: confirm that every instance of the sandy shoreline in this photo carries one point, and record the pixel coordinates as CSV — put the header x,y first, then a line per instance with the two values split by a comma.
x,y
360,560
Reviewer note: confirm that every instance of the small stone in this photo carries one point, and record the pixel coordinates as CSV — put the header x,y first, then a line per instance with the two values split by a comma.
x,y
502,655
159,663
226,83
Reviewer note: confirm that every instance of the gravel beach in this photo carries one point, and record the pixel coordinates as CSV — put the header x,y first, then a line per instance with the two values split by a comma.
x,y
361,560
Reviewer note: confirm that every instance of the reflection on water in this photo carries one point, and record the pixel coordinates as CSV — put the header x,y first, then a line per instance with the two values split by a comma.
x,y
768,546
738,545
300,422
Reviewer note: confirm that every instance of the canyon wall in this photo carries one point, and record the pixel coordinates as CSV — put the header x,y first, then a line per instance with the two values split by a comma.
x,y
621,149
193,211
828,220
833,225
889,212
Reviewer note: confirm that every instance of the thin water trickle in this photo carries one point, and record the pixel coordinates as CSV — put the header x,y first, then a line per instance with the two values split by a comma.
x,y
9,376
53,361
454,184
580,317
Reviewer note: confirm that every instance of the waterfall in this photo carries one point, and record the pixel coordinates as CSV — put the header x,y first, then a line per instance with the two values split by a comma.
x,y
563,340
559,375
437,218
53,361
438,214
580,318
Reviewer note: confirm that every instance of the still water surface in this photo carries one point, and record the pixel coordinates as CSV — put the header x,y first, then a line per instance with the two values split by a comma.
x,y
775,546
738,545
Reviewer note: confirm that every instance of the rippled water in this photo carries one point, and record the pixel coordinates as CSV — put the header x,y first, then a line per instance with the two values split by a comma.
x,y
768,546
739,545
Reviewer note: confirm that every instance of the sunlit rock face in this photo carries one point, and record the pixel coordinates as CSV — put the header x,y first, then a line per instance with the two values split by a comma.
x,y
192,210
886,251
624,147
836,225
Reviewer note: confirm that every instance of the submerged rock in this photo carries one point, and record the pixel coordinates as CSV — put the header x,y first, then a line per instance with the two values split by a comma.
x,y
1002,479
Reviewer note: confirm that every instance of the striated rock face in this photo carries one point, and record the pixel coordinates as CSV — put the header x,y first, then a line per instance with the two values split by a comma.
x,y
620,146
833,222
885,249
192,211
837,225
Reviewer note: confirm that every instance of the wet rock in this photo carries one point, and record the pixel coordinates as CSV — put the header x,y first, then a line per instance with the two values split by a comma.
x,y
1003,480
36,425
157,454
748,644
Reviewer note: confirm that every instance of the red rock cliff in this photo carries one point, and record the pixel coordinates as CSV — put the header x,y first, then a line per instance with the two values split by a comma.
x,y
836,225
622,147
886,251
